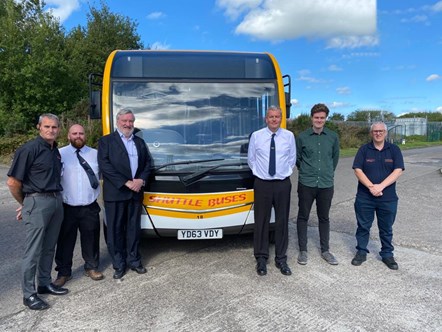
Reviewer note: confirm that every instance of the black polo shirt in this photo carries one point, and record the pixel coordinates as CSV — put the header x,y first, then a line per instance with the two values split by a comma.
x,y
38,166
377,166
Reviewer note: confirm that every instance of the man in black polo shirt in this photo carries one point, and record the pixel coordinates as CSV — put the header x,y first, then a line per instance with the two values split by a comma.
x,y
34,181
377,166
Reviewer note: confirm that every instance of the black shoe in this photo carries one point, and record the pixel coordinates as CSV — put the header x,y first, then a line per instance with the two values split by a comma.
x,y
118,274
261,268
52,289
33,302
359,259
139,269
391,263
284,268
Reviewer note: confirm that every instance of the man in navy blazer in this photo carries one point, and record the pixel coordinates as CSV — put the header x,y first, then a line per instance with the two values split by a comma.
x,y
124,162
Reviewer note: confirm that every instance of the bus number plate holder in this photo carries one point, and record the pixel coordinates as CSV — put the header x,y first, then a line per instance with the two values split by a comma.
x,y
200,234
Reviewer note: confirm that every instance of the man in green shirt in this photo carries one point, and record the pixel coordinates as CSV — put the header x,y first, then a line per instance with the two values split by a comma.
x,y
317,155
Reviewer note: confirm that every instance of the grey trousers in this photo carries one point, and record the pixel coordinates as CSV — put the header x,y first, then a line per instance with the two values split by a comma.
x,y
42,218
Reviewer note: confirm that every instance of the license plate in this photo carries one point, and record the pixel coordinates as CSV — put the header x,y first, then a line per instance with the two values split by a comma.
x,y
200,234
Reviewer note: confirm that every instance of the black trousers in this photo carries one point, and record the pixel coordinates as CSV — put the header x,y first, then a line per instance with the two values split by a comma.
x,y
85,219
123,220
323,197
268,194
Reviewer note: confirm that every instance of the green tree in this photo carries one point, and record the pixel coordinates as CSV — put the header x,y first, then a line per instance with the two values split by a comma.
x,y
32,68
88,47
337,117
301,123
371,115
44,70
430,116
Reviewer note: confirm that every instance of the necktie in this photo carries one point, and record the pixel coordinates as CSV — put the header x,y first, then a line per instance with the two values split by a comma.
x,y
90,173
272,158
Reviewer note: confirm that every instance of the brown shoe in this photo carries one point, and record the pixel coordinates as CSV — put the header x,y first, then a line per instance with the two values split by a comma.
x,y
60,281
94,275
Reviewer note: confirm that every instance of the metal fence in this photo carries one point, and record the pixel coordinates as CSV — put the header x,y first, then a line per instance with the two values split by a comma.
x,y
400,129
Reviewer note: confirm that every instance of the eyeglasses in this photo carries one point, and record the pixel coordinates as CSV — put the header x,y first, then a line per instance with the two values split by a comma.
x,y
378,131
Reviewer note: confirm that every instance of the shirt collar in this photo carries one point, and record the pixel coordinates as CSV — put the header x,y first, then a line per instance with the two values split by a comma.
x,y
74,149
43,141
271,132
312,132
386,146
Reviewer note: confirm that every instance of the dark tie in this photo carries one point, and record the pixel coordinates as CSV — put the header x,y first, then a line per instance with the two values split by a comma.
x,y
90,173
272,158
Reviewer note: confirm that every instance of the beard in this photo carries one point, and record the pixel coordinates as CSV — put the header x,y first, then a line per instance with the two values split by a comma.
x,y
77,143
127,132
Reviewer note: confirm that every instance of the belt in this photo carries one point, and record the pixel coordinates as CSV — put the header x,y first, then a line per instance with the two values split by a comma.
x,y
48,194
273,180
80,206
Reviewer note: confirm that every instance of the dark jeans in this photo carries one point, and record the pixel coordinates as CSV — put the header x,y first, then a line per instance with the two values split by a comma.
x,y
365,210
268,194
85,219
323,197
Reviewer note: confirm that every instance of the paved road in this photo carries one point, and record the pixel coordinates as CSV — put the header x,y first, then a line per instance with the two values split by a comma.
x,y
212,285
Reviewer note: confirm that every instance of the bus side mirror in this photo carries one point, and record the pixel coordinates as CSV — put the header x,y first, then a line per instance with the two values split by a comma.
x,y
288,104
95,105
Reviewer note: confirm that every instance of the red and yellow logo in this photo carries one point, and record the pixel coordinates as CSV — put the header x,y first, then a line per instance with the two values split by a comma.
x,y
190,205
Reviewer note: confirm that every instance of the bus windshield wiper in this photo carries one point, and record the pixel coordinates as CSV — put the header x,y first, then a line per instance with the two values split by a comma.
x,y
186,163
192,178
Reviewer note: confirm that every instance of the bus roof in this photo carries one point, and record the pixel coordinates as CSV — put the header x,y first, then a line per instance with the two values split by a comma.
x,y
192,65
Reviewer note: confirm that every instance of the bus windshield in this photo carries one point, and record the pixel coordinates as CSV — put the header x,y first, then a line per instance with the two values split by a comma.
x,y
206,121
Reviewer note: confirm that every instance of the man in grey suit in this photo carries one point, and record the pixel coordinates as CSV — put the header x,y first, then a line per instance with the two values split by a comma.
x,y
124,161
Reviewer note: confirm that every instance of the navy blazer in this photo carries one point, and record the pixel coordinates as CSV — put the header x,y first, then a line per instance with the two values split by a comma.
x,y
114,164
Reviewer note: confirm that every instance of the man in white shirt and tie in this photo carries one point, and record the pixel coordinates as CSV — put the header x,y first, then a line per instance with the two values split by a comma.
x,y
81,210
272,157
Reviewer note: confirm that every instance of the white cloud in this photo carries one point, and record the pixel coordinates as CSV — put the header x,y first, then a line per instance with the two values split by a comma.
x,y
433,77
439,109
235,8
334,68
437,7
62,9
304,72
281,19
416,19
345,90
159,46
337,104
352,41
294,102
155,15
309,79
360,54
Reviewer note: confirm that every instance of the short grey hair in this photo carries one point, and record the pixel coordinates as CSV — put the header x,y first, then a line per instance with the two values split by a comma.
x,y
49,116
377,123
124,111
274,108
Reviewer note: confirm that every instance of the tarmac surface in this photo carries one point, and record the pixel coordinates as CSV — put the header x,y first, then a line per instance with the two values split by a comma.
x,y
211,285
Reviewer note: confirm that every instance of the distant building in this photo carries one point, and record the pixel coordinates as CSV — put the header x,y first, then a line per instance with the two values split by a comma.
x,y
412,126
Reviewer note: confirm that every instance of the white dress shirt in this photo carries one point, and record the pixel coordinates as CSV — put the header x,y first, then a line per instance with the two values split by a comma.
x,y
77,190
259,152
132,152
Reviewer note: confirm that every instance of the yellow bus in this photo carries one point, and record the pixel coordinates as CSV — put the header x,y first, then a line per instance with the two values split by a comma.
x,y
195,110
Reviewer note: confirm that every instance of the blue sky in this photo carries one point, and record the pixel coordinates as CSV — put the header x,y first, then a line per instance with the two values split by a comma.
x,y
349,54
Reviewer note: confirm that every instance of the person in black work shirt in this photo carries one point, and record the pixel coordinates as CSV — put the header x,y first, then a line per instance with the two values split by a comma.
x,y
34,181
